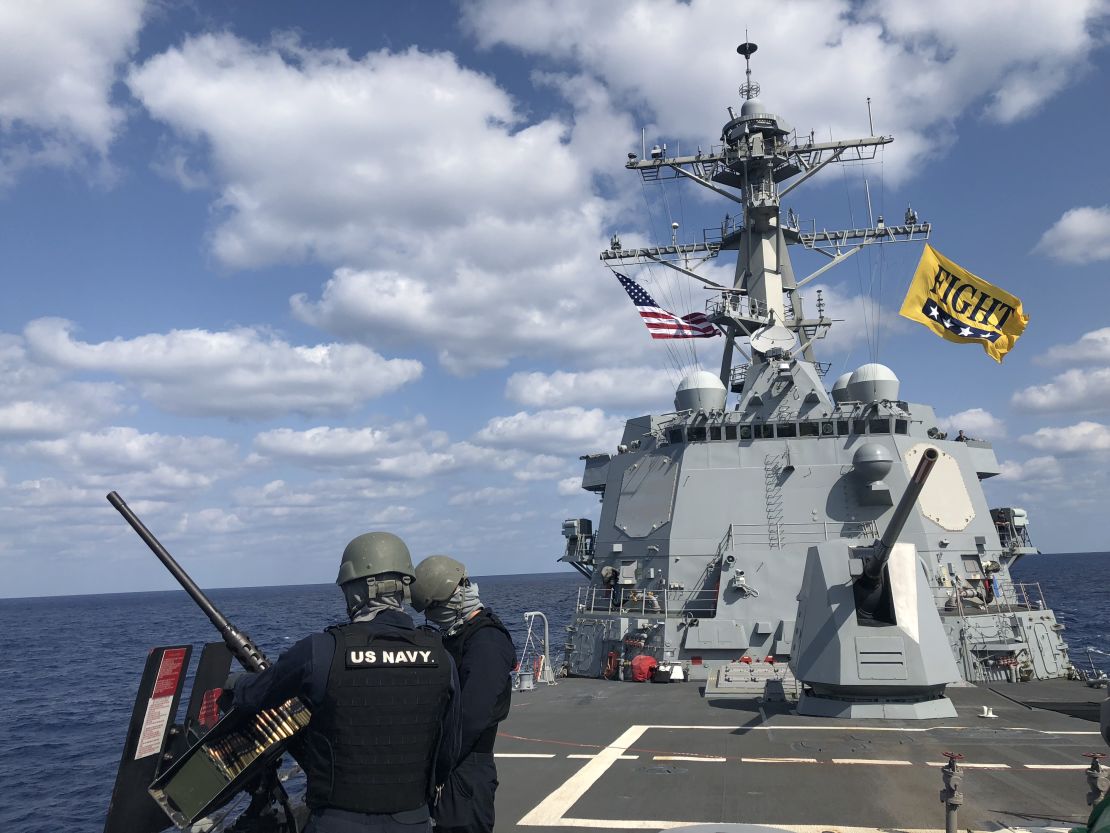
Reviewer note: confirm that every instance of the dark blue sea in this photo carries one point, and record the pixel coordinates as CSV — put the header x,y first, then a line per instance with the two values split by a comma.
x,y
70,666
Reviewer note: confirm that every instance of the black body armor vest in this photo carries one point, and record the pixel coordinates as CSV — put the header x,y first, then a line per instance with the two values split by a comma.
x,y
456,644
372,743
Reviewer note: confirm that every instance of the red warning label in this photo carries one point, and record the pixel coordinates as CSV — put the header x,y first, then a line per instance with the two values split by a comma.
x,y
161,698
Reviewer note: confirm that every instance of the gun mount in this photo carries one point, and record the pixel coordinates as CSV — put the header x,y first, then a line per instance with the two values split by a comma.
x,y
880,552
239,752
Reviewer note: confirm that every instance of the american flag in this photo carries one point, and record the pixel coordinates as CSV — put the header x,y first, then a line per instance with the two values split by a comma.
x,y
663,324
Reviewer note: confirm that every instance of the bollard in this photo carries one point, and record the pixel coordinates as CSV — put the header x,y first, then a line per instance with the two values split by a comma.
x,y
951,795
1098,778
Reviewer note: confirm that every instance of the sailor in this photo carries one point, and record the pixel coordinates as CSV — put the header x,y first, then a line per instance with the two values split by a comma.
x,y
363,680
484,652
962,437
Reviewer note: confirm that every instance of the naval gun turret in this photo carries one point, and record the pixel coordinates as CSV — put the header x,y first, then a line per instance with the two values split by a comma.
x,y
872,593
868,640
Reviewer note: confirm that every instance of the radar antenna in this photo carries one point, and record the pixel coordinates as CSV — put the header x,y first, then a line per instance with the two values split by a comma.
x,y
749,89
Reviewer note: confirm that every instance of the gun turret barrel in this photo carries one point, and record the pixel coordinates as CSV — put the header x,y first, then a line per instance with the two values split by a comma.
x,y
873,567
240,644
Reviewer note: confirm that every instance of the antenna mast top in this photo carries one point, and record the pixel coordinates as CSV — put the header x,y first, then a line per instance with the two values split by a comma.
x,y
748,89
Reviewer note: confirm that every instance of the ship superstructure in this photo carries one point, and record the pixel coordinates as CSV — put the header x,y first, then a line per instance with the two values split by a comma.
x,y
723,520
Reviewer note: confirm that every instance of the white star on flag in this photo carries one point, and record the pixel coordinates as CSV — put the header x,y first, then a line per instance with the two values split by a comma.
x,y
966,332
933,311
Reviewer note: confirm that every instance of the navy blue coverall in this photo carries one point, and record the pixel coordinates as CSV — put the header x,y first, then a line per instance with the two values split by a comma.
x,y
485,658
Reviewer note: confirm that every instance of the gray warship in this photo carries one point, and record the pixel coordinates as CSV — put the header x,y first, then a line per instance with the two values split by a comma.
x,y
810,583
816,573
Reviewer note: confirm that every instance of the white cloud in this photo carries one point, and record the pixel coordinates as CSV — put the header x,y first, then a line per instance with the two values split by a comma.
x,y
58,62
610,387
571,430
1039,470
1081,235
975,422
488,495
859,319
570,486
37,401
922,64
454,221
209,521
1078,389
1091,347
1081,438
239,373
150,464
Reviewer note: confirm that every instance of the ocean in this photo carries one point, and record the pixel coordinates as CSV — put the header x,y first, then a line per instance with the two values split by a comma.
x,y
71,666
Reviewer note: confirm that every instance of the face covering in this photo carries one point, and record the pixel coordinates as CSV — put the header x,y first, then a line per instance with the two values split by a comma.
x,y
451,615
362,609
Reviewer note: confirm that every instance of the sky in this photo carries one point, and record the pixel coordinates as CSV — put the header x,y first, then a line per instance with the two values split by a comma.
x,y
282,273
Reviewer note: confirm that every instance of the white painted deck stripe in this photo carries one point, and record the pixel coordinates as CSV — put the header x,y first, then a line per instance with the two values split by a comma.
x,y
622,757
871,762
778,760
550,811
710,758
1055,766
965,765
522,755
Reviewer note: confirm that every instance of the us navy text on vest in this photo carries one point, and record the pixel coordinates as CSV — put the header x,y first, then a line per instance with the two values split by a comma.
x,y
376,658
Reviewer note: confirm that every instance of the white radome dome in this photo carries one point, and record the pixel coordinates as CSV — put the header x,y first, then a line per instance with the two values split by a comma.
x,y
700,390
872,383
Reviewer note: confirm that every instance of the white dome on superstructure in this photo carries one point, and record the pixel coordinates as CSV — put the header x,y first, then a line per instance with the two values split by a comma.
x,y
700,390
872,383
840,387
752,107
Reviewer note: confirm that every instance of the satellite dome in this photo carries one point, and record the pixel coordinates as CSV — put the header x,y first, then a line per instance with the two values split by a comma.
x,y
872,462
840,387
752,107
871,383
700,390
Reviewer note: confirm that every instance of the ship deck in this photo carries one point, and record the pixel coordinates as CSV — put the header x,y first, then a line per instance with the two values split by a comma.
x,y
626,756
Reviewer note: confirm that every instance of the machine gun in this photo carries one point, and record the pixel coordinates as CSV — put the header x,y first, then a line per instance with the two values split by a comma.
x,y
230,754
872,594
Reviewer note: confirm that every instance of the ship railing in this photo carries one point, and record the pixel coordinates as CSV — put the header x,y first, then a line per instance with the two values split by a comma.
x,y
970,598
666,603
732,304
797,532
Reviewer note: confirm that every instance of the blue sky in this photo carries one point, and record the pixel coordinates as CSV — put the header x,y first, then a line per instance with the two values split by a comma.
x,y
283,273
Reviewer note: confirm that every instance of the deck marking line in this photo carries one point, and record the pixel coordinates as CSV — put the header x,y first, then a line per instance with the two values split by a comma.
x,y
1055,766
550,811
871,762
778,760
713,759
523,755
622,757
965,765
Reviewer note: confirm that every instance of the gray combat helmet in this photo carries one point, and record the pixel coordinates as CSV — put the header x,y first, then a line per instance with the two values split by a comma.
x,y
374,554
437,578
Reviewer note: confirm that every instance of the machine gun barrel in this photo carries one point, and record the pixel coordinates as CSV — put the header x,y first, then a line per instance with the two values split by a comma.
x,y
249,654
873,567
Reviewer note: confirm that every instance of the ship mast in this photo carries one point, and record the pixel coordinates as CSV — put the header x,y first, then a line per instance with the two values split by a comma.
x,y
758,154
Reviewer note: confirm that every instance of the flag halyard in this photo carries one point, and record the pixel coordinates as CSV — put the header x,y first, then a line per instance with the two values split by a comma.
x,y
961,307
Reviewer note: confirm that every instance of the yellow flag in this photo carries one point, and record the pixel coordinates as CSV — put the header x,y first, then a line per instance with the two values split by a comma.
x,y
962,307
